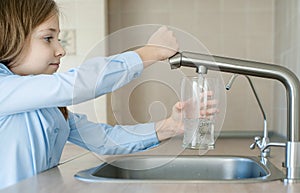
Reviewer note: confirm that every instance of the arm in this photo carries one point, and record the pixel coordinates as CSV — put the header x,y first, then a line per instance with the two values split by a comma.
x,y
93,78
106,139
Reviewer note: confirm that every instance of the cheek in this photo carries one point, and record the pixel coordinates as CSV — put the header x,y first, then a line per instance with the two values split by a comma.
x,y
35,63
39,56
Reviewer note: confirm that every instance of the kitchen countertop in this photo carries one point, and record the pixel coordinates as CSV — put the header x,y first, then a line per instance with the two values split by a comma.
x,y
61,178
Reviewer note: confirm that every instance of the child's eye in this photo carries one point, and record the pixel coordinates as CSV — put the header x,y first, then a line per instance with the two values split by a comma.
x,y
48,39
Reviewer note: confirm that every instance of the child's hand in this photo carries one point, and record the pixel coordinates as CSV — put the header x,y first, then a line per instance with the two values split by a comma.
x,y
208,106
173,125
164,43
161,45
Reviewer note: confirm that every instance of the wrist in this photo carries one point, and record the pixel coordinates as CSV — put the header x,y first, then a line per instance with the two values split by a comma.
x,y
148,55
159,127
165,129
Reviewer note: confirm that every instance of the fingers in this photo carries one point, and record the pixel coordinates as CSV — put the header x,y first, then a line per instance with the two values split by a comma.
x,y
209,112
208,95
209,104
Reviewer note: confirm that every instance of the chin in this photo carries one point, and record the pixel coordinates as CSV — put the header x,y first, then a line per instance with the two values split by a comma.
x,y
50,72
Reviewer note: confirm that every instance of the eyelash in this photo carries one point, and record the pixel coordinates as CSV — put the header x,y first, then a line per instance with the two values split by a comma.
x,y
48,39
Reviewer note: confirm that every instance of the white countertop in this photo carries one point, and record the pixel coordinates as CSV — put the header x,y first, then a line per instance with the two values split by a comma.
x,y
61,178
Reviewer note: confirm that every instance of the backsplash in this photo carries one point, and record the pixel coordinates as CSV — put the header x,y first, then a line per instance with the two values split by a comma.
x,y
234,28
287,53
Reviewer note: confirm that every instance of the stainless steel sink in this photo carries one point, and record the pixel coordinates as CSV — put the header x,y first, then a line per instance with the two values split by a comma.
x,y
182,169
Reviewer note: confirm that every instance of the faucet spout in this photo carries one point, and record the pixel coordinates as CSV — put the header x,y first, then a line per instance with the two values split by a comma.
x,y
264,70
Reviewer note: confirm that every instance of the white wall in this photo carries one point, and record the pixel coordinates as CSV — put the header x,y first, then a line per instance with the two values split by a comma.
x,y
287,52
88,19
233,28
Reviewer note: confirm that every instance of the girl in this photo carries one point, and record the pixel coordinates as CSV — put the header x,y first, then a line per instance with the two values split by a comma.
x,y
34,123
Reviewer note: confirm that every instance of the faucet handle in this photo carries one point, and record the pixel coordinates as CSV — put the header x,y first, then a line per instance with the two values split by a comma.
x,y
252,146
257,140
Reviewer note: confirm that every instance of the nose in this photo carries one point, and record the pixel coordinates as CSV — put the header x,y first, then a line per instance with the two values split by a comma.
x,y
60,51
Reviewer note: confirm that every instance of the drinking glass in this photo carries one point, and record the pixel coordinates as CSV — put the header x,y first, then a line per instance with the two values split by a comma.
x,y
198,96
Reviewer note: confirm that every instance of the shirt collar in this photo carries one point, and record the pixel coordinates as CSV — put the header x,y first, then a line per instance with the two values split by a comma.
x,y
5,70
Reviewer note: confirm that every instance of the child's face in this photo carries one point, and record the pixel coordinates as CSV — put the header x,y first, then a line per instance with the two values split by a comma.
x,y
42,51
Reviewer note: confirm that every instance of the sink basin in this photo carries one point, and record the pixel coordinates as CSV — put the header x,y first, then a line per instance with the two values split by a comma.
x,y
182,169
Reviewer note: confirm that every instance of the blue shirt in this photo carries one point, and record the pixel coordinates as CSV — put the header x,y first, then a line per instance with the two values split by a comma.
x,y
33,131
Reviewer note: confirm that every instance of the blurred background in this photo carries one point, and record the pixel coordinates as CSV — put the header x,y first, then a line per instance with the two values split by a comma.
x,y
259,30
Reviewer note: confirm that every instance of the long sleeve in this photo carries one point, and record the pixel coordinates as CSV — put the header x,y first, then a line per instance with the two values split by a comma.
x,y
35,130
93,78
106,139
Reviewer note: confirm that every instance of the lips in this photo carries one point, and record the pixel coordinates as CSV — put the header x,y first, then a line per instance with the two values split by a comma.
x,y
54,64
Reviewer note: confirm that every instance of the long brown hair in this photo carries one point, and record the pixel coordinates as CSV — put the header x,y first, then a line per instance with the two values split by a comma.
x,y
18,18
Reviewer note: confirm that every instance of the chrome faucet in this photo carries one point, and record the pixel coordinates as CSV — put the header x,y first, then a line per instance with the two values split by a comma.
x,y
271,71
258,141
262,143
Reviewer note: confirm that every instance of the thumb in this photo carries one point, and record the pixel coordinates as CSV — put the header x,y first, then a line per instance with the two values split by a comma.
x,y
179,105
